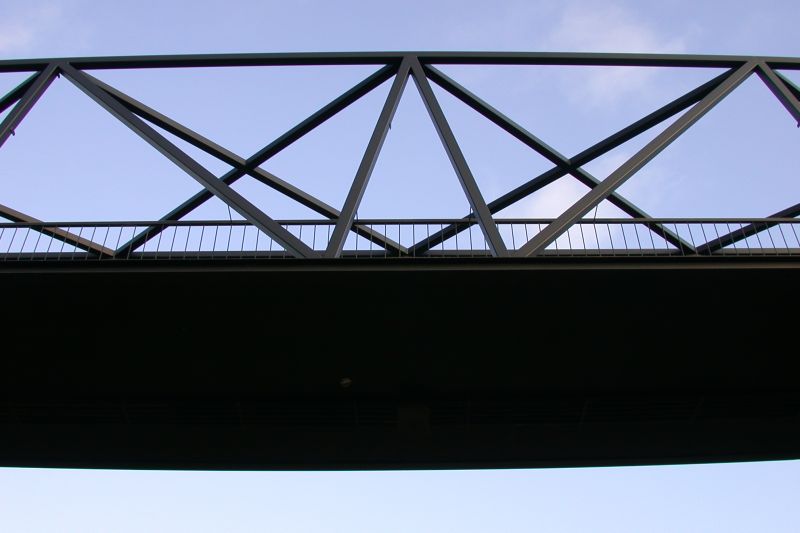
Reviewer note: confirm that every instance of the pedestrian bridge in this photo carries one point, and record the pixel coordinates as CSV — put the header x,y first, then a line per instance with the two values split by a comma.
x,y
343,342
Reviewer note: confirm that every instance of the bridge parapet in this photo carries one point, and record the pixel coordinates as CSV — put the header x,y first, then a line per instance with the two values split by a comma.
x,y
431,238
344,234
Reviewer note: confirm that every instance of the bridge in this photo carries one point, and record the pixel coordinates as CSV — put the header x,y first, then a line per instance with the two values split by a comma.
x,y
342,342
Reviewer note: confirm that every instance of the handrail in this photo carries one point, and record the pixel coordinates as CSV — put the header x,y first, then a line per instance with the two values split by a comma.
x,y
212,239
396,221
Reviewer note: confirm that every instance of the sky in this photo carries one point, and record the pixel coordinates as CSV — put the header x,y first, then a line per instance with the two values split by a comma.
x,y
69,160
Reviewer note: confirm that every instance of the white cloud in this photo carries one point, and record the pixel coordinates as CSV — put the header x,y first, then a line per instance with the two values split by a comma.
x,y
607,164
595,27
555,198
21,30
576,26
589,27
548,202
507,26
585,26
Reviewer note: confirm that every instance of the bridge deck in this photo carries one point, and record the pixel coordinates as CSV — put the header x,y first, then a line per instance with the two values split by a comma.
x,y
371,363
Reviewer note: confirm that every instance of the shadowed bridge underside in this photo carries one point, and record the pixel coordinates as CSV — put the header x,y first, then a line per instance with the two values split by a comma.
x,y
432,364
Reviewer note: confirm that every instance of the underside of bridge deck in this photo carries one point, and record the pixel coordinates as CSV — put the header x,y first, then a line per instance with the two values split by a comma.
x,y
400,363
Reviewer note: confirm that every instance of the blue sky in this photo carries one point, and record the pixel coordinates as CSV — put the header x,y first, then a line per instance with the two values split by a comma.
x,y
733,163
747,136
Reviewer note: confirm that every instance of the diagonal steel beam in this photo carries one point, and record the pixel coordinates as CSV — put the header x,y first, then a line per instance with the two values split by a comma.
x,y
28,99
548,152
781,91
598,149
747,231
632,165
224,192
16,93
482,213
656,117
251,165
225,155
789,84
55,232
322,115
170,125
368,161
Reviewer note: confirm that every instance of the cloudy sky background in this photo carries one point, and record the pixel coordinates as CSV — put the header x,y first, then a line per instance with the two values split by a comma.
x,y
70,160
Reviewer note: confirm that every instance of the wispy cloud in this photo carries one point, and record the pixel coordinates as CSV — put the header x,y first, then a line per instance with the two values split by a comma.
x,y
21,29
616,26
595,27
647,189
577,26
601,27
510,26
555,198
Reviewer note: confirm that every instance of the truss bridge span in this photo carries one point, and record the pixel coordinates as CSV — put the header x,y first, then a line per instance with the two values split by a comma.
x,y
341,342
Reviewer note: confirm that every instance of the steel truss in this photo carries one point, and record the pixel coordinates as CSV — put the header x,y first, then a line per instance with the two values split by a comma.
x,y
398,67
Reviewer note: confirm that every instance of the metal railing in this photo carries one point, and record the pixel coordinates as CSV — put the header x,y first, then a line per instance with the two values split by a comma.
x,y
428,238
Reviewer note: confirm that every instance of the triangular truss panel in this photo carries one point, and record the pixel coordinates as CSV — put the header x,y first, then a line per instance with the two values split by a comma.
x,y
570,157
413,177
70,160
269,200
500,161
732,163
337,145
10,81
238,107
792,76
572,107
214,163
12,86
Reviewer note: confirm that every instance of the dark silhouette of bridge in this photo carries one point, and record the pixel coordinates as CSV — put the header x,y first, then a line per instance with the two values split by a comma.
x,y
343,342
